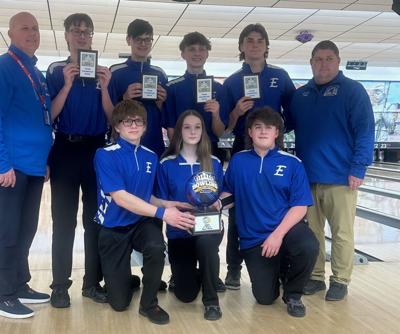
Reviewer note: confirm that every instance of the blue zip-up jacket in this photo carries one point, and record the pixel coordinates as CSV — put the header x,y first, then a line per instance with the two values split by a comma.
x,y
83,112
276,90
334,129
127,73
182,96
25,139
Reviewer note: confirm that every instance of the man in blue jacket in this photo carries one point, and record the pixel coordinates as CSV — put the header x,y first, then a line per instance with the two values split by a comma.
x,y
25,141
334,127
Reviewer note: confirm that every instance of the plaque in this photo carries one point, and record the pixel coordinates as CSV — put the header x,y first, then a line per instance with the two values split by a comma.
x,y
202,191
87,61
149,87
204,89
251,86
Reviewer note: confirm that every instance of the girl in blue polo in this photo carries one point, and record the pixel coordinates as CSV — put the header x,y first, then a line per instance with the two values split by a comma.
x,y
189,153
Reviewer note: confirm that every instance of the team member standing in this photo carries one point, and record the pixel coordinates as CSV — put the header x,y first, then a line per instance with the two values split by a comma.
x,y
127,211
25,141
276,90
126,82
334,127
188,154
181,92
271,193
80,122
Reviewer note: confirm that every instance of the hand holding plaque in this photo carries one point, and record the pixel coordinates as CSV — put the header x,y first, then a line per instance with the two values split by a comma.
x,y
202,191
251,85
149,87
87,61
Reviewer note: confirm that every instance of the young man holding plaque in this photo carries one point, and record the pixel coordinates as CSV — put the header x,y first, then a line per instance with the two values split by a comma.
x,y
139,80
80,101
188,154
256,84
129,214
271,194
195,90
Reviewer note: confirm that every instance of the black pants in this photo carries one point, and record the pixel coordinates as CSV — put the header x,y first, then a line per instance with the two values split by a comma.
x,y
71,168
183,255
116,245
19,213
298,252
234,258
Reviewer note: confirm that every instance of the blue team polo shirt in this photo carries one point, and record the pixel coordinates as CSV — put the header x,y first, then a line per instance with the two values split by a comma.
x,y
127,73
276,90
123,166
25,139
264,189
172,176
182,96
83,112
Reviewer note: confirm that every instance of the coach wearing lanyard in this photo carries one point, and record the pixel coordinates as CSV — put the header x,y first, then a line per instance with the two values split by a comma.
x,y
80,124
25,141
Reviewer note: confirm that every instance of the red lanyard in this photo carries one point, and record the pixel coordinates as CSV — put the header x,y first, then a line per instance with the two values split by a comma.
x,y
41,97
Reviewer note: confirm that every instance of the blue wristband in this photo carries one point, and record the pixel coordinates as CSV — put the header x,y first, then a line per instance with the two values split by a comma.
x,y
160,213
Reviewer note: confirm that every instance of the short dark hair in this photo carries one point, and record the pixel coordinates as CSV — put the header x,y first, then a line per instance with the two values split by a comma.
x,y
76,20
247,31
325,45
193,38
124,109
139,27
268,116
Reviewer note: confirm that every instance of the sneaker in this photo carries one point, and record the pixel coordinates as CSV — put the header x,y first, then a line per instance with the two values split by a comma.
x,y
171,283
163,286
95,293
220,286
30,296
313,286
295,307
135,282
336,291
212,312
232,280
60,298
14,309
155,314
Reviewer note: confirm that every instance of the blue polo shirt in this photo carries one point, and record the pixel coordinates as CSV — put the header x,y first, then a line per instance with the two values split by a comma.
x,y
25,139
276,90
182,96
83,112
130,72
265,188
123,166
172,176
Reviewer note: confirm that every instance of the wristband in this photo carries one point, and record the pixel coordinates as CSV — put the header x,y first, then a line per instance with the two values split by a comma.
x,y
160,213
226,201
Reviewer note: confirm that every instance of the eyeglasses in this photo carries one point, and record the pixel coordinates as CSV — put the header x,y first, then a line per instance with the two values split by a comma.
x,y
76,32
129,121
140,40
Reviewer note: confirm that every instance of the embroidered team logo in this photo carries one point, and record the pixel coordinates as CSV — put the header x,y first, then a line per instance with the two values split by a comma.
x,y
148,167
331,90
274,83
306,93
98,84
279,170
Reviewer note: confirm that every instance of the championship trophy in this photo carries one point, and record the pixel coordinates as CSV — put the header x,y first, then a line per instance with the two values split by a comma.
x,y
202,191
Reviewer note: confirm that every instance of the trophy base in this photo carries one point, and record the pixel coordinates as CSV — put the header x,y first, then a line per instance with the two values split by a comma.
x,y
207,222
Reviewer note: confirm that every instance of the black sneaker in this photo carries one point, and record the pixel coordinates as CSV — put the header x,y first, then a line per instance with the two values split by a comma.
x,y
232,280
14,309
95,293
60,298
155,314
163,286
220,286
135,282
212,312
336,291
313,286
295,307
30,296
171,283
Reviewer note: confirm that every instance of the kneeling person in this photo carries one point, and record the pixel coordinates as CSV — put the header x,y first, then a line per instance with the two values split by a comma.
x,y
271,194
127,212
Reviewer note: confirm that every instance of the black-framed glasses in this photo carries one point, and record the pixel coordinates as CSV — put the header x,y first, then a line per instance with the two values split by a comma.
x,y
129,121
76,32
140,40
